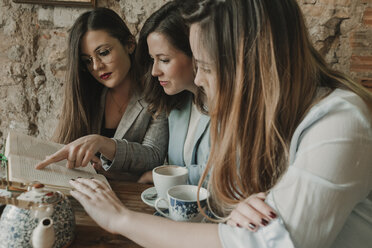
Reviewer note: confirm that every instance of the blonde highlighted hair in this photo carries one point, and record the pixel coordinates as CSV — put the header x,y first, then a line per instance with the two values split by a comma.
x,y
268,74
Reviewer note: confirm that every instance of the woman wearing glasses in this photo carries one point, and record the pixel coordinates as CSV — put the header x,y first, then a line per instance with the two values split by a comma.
x,y
103,95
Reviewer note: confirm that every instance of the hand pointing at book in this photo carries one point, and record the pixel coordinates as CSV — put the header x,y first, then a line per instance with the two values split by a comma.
x,y
82,151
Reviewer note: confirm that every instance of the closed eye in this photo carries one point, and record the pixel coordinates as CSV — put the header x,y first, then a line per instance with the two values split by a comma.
x,y
206,70
104,53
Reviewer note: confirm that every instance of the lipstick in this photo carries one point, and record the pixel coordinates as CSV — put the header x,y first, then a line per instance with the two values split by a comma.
x,y
105,76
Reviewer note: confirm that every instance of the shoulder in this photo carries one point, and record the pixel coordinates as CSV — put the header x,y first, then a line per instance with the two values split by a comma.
x,y
140,99
341,117
342,109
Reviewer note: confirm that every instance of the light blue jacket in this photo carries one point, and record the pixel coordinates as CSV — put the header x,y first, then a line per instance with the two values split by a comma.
x,y
178,125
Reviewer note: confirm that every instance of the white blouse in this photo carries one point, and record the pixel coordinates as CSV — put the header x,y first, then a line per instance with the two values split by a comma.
x,y
324,199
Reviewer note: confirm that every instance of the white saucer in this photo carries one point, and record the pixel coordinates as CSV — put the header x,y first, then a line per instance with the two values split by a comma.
x,y
151,203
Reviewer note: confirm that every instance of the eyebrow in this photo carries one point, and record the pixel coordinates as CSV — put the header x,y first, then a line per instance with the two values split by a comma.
x,y
161,54
97,48
201,62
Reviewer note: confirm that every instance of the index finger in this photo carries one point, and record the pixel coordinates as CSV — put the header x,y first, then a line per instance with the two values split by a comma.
x,y
56,157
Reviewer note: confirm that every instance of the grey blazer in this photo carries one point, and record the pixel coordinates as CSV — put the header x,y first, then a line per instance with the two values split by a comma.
x,y
141,141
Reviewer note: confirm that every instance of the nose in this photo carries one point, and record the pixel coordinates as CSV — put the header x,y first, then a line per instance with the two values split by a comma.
x,y
97,64
197,79
155,72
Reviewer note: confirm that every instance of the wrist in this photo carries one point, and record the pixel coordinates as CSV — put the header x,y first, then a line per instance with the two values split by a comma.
x,y
104,144
101,143
123,221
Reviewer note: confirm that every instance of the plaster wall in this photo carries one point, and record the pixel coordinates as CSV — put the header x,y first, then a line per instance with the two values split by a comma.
x,y
33,46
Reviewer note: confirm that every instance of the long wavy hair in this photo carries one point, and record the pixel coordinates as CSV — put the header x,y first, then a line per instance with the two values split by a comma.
x,y
82,91
268,73
167,21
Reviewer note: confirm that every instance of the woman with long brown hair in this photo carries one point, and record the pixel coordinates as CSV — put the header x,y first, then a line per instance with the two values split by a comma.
x,y
104,109
282,122
165,57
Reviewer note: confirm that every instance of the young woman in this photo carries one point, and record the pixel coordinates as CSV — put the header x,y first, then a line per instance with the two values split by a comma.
x,y
166,58
103,95
281,121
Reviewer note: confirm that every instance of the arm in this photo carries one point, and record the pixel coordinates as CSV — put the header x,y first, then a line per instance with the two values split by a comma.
x,y
329,174
141,156
252,213
147,230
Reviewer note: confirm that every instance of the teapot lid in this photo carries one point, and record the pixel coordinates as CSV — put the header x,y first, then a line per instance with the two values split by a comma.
x,y
39,194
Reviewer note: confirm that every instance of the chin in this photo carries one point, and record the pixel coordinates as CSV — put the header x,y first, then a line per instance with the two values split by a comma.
x,y
169,92
110,84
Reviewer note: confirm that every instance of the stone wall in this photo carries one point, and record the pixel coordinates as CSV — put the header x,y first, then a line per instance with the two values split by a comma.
x,y
33,45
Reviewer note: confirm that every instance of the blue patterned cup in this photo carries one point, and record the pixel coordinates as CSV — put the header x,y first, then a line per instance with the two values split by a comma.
x,y
182,203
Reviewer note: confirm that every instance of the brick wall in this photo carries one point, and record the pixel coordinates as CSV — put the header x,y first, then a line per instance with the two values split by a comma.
x,y
361,47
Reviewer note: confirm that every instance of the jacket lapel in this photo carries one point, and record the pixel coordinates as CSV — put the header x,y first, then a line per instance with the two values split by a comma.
x,y
178,126
130,115
201,129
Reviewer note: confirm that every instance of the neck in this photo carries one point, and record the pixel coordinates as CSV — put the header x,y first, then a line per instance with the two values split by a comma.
x,y
193,89
123,89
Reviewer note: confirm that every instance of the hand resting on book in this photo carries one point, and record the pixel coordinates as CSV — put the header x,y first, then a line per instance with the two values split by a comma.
x,y
82,151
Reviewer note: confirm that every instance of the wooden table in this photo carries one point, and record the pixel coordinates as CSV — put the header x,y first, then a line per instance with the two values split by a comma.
x,y
88,234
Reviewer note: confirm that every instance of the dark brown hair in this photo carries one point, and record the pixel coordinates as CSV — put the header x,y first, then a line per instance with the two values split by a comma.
x,y
168,21
82,90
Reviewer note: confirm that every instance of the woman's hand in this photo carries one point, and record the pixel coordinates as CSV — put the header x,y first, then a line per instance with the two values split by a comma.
x,y
100,202
146,178
82,151
252,213
97,165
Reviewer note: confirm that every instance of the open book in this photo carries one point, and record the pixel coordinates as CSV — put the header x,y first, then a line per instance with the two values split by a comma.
x,y
24,152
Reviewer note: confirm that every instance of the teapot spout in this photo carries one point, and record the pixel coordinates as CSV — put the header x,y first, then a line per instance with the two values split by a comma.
x,y
43,235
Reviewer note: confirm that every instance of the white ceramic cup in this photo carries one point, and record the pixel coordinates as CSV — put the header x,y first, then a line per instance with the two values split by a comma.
x,y
182,203
167,176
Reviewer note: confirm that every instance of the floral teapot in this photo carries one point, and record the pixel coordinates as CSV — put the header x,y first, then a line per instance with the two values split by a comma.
x,y
35,218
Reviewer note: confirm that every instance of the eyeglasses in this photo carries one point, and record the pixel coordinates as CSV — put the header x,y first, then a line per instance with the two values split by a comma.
x,y
103,55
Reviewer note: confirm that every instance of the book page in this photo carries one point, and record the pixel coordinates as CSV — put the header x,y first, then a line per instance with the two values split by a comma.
x,y
27,146
22,169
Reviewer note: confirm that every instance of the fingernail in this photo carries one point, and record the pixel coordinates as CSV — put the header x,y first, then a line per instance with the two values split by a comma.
x,y
264,222
79,177
272,215
92,178
252,226
72,179
238,225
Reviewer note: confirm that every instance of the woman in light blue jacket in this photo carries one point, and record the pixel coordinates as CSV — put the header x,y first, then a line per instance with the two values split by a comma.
x,y
165,55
